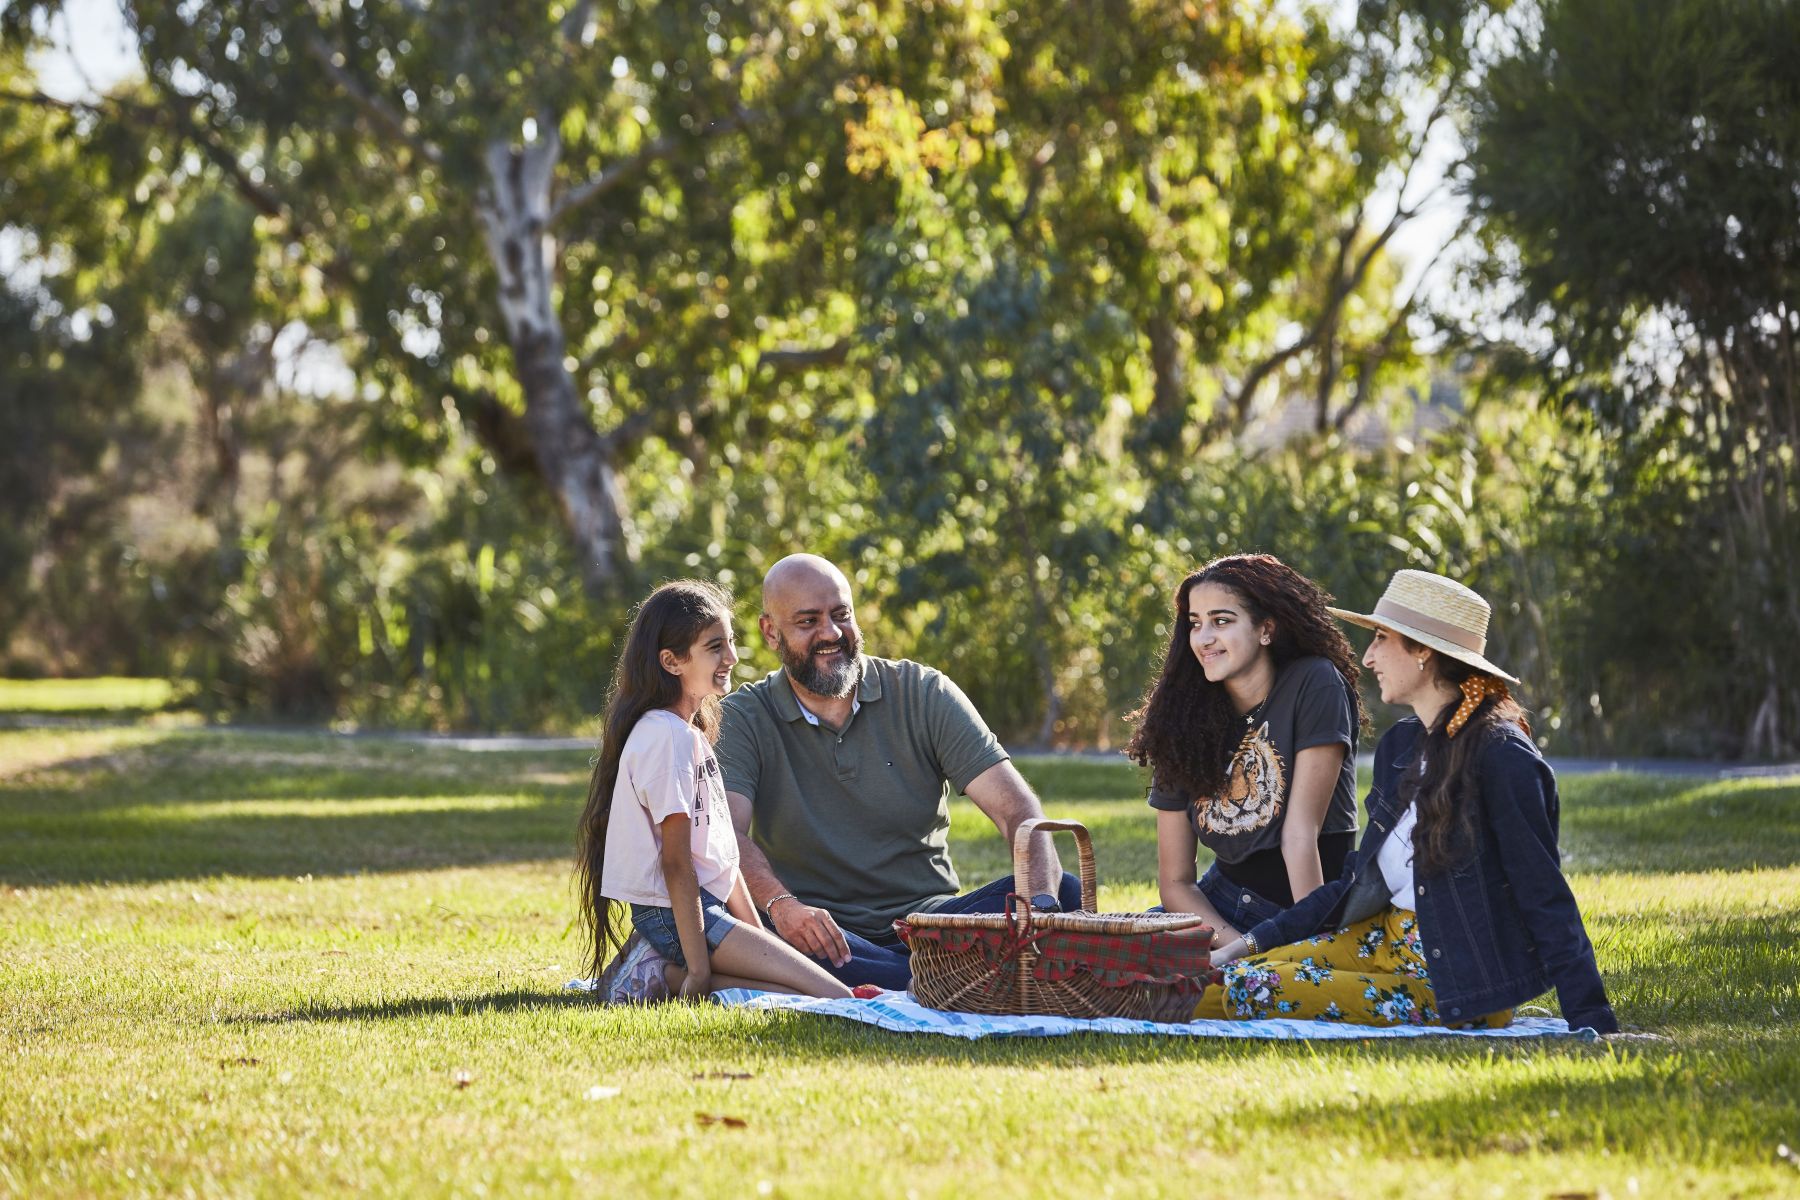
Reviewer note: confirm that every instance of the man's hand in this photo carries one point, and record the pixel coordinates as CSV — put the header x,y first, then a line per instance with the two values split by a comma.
x,y
809,930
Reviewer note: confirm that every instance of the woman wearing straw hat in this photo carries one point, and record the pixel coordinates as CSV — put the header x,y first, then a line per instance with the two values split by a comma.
x,y
1250,734
1454,909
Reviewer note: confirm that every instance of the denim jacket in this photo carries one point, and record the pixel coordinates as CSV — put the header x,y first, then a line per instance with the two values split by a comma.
x,y
1502,925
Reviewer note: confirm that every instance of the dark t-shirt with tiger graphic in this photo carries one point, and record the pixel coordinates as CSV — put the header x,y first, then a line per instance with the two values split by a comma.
x,y
1308,706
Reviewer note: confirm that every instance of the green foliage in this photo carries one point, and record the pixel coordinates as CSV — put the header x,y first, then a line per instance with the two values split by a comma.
x,y
1636,163
987,302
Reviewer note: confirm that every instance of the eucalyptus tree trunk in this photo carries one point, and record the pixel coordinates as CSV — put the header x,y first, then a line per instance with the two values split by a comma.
x,y
579,465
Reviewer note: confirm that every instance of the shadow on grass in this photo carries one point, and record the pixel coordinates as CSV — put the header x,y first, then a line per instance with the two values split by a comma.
x,y
1640,823
1697,1107
297,805
426,1006
1689,973
194,806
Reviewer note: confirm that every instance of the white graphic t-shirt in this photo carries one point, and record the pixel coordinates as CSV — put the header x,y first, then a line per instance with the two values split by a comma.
x,y
667,769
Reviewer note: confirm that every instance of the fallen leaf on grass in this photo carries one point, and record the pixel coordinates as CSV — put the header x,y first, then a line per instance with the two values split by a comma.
x,y
1575,1195
461,1079
602,1092
721,1119
243,1061
724,1075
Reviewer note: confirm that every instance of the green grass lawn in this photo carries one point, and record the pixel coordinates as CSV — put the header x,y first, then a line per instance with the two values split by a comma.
x,y
238,964
111,696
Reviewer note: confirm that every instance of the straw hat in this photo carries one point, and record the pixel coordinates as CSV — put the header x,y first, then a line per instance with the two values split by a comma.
x,y
1433,611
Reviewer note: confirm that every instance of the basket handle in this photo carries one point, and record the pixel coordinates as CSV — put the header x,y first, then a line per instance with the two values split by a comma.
x,y
1084,845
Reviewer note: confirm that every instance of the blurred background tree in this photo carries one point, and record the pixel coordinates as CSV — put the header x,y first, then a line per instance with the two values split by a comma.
x,y
365,361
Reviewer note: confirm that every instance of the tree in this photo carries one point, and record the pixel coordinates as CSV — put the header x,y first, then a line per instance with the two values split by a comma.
x,y
1636,168
510,201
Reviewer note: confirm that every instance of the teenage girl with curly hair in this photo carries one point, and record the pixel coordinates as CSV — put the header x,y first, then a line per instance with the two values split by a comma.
x,y
1250,733
1454,909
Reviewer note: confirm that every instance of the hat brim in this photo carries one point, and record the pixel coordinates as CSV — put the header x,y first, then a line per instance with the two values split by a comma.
x,y
1443,646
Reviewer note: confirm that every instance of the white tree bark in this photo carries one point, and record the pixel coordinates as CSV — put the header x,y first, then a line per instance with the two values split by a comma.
x,y
578,464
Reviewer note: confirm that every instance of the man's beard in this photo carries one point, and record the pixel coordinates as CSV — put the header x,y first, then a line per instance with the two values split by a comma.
x,y
835,679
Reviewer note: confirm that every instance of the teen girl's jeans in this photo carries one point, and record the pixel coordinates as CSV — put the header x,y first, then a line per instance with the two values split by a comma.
x,y
1242,908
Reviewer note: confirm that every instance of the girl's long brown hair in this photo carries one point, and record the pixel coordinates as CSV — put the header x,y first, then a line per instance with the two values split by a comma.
x,y
1445,794
1187,728
671,618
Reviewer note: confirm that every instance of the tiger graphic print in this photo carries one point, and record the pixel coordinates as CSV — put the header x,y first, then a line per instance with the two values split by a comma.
x,y
1254,785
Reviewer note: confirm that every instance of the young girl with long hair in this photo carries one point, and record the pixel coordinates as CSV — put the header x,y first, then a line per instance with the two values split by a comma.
x,y
656,834
1454,909
1250,734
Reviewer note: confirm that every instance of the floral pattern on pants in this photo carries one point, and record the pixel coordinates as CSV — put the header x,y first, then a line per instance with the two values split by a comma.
x,y
1369,973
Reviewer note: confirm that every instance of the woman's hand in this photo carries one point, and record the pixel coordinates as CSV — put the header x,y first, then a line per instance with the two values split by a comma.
x,y
697,985
1230,952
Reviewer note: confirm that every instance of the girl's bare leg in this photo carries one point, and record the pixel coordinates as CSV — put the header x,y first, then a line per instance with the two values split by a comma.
x,y
757,959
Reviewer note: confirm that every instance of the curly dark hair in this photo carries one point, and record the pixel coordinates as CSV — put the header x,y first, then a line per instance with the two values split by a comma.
x,y
1445,793
1187,729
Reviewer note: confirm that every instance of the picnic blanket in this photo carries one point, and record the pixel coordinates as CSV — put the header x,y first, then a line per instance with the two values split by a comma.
x,y
897,1011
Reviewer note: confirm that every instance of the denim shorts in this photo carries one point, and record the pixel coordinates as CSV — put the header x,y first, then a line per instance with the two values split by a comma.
x,y
1238,905
658,926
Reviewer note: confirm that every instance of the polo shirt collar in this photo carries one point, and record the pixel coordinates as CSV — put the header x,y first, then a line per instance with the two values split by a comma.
x,y
788,705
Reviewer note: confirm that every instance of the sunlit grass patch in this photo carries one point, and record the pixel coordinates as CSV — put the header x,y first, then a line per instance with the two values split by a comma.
x,y
104,694
291,965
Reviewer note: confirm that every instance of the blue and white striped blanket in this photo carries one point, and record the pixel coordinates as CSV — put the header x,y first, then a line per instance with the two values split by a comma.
x,y
898,1012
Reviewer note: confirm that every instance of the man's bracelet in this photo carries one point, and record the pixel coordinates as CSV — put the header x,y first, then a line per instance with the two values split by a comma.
x,y
773,901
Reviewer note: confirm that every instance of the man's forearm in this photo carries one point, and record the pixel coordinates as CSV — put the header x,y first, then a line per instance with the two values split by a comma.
x,y
759,876
1045,868
1002,794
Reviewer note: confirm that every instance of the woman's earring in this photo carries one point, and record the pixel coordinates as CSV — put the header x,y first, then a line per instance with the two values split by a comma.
x,y
1265,641
1421,664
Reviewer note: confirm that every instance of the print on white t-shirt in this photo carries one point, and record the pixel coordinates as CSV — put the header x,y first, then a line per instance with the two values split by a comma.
x,y
667,769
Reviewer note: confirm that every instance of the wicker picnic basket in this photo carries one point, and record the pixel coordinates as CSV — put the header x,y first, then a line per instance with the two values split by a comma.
x,y
1148,966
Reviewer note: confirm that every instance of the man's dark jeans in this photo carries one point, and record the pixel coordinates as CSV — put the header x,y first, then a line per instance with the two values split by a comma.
x,y
887,964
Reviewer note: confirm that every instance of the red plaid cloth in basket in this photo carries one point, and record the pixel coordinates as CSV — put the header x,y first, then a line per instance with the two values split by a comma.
x,y
1116,960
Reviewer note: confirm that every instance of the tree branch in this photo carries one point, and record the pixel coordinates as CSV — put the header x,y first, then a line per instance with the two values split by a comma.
x,y
499,429
1246,392
785,360
180,119
380,114
1034,185
652,151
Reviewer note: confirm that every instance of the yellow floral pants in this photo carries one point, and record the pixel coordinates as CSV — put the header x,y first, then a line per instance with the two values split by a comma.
x,y
1369,973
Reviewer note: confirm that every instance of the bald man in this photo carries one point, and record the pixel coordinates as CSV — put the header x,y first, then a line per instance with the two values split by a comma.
x,y
838,768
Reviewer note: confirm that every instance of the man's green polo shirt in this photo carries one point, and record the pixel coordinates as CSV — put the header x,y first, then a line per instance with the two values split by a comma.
x,y
857,821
